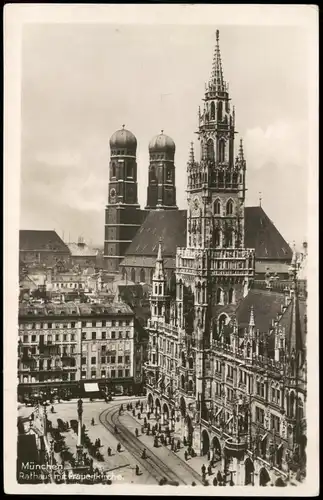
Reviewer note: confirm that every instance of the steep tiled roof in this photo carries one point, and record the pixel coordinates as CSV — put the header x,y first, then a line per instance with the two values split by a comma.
x,y
266,305
261,234
170,226
33,240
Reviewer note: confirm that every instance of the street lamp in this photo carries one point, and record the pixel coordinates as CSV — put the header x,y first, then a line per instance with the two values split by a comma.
x,y
79,447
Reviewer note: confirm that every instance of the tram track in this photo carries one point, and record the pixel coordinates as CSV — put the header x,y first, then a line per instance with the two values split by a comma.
x,y
152,464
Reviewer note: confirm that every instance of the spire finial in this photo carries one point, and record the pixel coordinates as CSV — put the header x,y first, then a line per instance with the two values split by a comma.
x,y
252,317
191,155
217,75
162,131
123,126
241,155
260,198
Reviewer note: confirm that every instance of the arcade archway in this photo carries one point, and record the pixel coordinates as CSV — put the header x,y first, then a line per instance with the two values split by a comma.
x,y
205,442
264,477
189,429
157,406
216,446
166,410
249,472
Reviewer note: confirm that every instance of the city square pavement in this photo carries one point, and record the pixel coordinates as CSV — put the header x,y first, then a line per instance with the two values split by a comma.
x,y
164,452
119,464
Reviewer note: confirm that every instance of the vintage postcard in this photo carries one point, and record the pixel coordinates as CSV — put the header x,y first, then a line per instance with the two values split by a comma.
x,y
161,312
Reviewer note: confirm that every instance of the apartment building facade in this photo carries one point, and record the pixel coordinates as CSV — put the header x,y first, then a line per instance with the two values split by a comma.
x,y
64,345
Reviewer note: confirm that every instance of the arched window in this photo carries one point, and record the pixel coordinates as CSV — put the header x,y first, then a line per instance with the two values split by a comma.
x,y
220,111
133,275
142,275
113,170
229,208
216,207
231,296
210,150
182,382
212,111
219,296
124,274
221,150
190,363
222,322
190,386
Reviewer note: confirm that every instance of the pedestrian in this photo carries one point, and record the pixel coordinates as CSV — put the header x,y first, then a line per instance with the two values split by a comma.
x,y
99,443
219,478
145,422
139,416
209,455
136,432
148,426
178,444
203,469
92,421
153,431
215,482
184,441
137,470
141,408
133,412
118,447
109,451
209,470
144,455
147,432
148,415
203,476
186,455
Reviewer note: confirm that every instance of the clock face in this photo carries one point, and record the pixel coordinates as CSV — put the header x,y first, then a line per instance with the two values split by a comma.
x,y
112,195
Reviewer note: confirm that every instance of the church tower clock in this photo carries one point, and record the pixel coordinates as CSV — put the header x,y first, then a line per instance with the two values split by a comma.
x,y
123,216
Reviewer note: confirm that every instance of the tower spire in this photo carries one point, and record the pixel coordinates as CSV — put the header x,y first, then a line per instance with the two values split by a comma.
x,y
252,318
217,73
159,266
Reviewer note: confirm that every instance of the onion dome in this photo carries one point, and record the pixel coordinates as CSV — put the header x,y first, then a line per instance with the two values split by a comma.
x,y
123,139
162,143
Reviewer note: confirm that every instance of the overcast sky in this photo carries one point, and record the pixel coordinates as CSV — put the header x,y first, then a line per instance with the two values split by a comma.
x,y
81,82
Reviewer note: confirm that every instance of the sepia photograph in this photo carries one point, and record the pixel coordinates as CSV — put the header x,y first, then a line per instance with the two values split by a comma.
x,y
160,162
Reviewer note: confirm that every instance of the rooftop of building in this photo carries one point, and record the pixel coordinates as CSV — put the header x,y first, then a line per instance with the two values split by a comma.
x,y
107,308
39,240
81,249
170,227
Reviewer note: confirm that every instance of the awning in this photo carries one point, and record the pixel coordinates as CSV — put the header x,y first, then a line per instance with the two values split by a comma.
x,y
91,387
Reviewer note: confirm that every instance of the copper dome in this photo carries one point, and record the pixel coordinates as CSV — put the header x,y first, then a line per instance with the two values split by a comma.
x,y
162,143
123,139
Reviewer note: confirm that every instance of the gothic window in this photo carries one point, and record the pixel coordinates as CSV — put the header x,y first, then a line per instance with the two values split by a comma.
x,y
219,296
160,289
231,296
142,275
221,150
124,274
190,386
222,322
212,111
220,111
216,207
133,275
210,150
190,363
229,209
182,382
